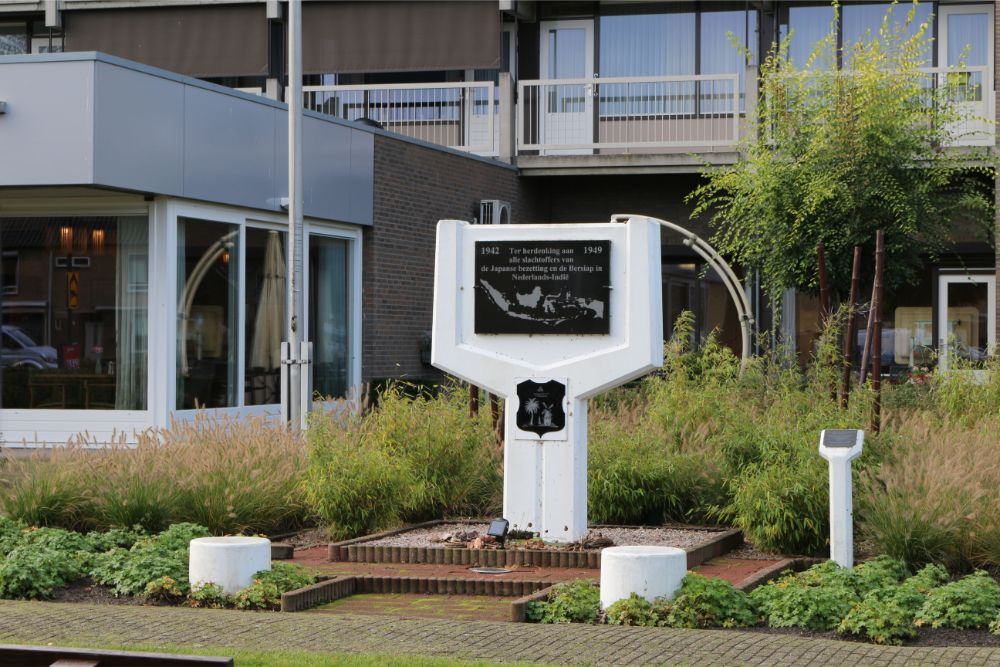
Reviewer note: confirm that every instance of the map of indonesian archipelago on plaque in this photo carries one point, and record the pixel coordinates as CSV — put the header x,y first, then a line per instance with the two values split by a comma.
x,y
542,287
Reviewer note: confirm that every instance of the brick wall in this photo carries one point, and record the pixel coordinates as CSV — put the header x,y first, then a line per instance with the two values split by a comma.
x,y
415,186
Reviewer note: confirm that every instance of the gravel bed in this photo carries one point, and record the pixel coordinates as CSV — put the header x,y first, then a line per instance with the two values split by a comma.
x,y
668,537
747,551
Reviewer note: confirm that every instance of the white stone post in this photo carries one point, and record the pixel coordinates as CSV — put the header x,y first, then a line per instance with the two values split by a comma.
x,y
840,447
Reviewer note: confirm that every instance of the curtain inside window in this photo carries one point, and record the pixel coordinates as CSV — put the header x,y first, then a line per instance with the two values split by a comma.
x,y
720,56
647,45
329,315
807,25
131,290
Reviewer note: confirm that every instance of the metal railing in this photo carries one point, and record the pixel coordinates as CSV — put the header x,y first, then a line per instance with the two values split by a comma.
x,y
458,115
622,114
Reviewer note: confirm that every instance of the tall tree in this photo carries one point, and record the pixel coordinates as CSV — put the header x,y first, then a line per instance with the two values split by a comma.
x,y
856,138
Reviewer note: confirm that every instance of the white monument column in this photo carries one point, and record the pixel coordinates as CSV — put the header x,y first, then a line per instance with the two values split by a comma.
x,y
547,316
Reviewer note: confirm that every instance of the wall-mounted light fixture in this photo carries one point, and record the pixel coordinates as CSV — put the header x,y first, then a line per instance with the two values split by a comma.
x,y
3,107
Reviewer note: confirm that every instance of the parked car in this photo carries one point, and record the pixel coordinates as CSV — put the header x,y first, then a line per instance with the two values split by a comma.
x,y
20,351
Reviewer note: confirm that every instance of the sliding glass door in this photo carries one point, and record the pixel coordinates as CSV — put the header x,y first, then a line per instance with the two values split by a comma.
x,y
330,315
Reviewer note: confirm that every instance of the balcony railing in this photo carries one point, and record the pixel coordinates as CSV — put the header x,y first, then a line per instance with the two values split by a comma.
x,y
633,115
458,115
629,114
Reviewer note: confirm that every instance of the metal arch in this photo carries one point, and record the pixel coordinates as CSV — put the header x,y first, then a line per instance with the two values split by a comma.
x,y
715,260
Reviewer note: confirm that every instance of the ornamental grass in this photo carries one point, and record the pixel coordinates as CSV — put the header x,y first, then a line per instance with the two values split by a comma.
x,y
229,475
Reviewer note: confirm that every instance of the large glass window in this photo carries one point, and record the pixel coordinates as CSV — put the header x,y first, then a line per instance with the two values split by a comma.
x,y
807,26
265,315
207,297
330,314
74,313
13,39
673,44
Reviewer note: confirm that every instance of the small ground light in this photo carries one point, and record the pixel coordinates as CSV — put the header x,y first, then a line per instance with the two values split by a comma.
x,y
498,529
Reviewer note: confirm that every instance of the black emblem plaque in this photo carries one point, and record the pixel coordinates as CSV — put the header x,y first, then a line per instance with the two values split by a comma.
x,y
540,406
543,287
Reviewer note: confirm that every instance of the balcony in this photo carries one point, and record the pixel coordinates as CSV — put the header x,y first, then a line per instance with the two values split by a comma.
x,y
463,116
655,124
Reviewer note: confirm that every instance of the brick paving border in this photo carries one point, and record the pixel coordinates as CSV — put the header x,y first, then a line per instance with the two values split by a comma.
x,y
111,625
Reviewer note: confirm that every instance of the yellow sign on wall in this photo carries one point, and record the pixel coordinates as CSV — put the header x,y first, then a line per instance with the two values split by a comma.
x,y
72,289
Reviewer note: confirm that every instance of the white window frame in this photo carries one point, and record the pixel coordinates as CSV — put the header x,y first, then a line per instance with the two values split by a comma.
x,y
945,279
20,426
353,235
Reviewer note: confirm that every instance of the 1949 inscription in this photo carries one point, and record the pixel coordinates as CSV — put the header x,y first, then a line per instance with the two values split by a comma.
x,y
542,287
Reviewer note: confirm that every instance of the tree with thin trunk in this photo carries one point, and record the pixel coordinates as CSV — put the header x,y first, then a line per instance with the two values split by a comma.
x,y
856,138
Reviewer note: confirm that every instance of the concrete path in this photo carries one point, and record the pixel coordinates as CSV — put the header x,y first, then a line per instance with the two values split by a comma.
x,y
113,625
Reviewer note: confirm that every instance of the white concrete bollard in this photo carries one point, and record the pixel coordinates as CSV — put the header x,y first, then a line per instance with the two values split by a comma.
x,y
840,446
650,572
228,562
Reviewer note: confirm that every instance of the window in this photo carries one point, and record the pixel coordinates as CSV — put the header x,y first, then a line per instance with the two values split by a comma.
x,y
75,333
9,265
13,39
264,305
330,314
678,43
207,293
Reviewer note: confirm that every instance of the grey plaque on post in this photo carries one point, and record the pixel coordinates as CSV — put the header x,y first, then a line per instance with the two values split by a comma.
x,y
840,437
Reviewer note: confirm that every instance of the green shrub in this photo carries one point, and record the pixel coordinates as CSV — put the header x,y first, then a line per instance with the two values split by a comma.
x,y
116,537
707,603
881,619
10,533
268,585
163,588
36,572
209,596
816,599
637,610
129,571
573,602
633,480
411,458
354,484
971,602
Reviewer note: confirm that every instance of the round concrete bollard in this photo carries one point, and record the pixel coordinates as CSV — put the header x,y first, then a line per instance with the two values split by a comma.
x,y
650,572
228,562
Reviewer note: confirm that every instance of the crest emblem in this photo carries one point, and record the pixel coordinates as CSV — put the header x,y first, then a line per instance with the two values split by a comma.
x,y
540,406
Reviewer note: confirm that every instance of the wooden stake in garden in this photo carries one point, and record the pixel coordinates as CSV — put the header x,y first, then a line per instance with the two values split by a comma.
x,y
877,334
473,400
867,349
852,301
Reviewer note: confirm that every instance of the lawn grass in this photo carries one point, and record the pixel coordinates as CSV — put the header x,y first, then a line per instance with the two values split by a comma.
x,y
245,658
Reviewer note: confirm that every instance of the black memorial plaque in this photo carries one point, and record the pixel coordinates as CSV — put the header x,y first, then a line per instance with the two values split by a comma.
x,y
543,287
540,406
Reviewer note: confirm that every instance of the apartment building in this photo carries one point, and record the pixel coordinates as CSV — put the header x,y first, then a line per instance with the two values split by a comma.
x,y
165,151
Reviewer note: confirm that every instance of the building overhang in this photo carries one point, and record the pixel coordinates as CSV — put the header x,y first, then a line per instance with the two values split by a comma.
x,y
89,119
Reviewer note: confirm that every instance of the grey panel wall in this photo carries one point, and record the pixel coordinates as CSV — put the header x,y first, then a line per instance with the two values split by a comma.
x,y
86,119
47,134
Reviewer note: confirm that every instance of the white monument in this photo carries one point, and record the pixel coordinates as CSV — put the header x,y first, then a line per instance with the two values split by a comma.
x,y
840,446
547,316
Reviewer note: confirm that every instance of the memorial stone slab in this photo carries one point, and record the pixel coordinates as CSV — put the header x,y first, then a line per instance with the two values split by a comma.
x,y
547,316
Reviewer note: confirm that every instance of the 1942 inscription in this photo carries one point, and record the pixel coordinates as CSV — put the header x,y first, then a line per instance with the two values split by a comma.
x,y
542,287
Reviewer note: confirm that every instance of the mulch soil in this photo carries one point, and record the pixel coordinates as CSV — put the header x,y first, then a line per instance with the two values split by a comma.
x,y
84,590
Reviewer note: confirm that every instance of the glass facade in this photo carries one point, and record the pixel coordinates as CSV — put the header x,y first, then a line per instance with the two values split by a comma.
x,y
330,315
264,325
73,308
13,39
207,297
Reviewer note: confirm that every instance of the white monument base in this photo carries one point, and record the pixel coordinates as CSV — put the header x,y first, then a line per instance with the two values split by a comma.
x,y
650,572
228,562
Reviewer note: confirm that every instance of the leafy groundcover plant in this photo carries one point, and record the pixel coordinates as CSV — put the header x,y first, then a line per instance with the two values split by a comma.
x,y
36,562
877,600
